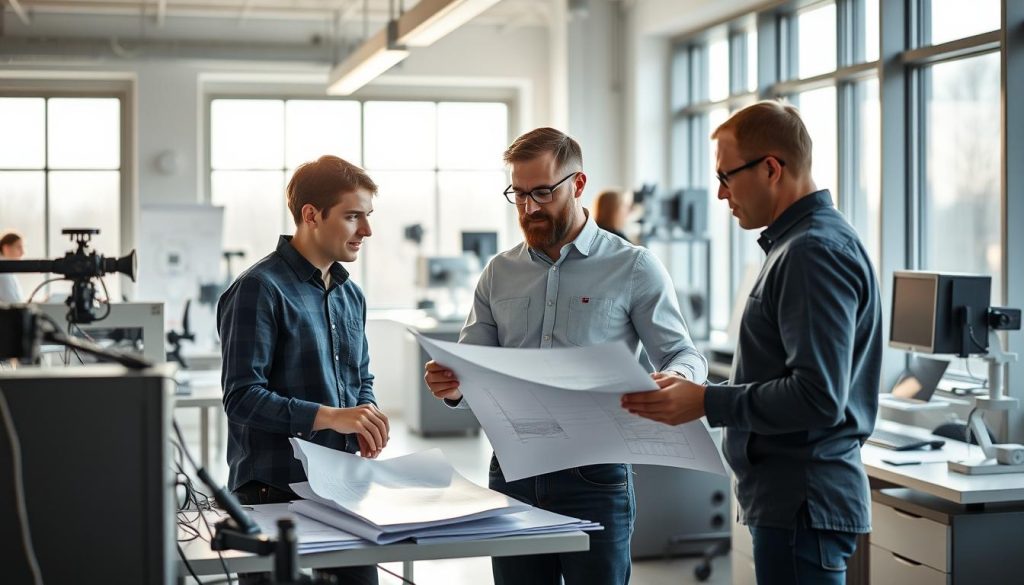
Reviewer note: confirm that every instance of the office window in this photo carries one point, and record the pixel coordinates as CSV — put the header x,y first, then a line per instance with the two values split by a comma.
x,y
818,110
437,164
751,62
947,20
718,69
871,30
720,227
867,172
960,207
60,167
816,40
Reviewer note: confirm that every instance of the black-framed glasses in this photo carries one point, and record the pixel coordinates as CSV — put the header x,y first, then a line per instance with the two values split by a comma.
x,y
540,195
723,176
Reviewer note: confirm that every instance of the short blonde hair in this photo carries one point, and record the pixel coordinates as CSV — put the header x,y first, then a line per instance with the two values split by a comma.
x,y
606,206
567,152
771,127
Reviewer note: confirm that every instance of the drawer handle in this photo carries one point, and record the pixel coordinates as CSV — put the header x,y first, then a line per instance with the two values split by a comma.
x,y
905,560
906,514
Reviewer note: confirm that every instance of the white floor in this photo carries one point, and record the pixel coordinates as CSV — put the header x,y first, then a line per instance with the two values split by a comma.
x,y
470,456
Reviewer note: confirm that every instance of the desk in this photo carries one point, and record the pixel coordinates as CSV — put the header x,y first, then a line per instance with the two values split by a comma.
x,y
204,396
206,562
936,526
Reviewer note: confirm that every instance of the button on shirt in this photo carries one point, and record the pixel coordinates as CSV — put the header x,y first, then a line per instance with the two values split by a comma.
x,y
804,394
289,345
601,289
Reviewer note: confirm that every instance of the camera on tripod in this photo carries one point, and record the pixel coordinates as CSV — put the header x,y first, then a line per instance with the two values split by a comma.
x,y
80,266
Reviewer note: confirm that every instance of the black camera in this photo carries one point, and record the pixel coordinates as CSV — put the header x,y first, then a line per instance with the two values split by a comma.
x,y
1004,318
79,266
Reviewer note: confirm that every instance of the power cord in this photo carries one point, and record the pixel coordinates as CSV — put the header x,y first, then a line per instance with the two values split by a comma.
x,y
19,491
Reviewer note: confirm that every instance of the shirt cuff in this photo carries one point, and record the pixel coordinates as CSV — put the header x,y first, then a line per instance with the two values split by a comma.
x,y
719,402
460,403
303,414
685,374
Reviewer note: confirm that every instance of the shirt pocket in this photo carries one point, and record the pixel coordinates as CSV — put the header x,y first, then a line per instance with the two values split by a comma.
x,y
511,316
353,339
588,320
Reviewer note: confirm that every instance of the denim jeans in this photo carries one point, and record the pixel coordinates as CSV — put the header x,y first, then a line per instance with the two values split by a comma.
x,y
254,493
600,493
801,555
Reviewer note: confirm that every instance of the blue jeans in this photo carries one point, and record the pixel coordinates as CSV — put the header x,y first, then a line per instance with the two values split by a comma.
x,y
801,555
600,493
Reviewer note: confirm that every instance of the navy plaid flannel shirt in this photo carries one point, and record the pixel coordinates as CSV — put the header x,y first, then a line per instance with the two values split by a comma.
x,y
289,345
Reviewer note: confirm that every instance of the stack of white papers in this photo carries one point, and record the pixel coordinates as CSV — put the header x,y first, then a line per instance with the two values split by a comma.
x,y
313,536
418,496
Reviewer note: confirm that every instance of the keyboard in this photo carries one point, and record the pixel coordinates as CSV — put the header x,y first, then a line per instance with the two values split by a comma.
x,y
900,442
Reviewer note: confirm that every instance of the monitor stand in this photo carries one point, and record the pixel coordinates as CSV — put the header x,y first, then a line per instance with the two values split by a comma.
x,y
998,458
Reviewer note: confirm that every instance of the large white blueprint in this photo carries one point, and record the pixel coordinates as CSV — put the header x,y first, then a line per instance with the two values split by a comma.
x,y
405,492
550,409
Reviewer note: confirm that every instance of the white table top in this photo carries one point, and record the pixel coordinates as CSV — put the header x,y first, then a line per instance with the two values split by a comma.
x,y
205,561
933,477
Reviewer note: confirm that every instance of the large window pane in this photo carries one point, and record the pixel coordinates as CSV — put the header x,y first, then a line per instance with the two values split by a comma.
x,y
471,136
405,198
247,134
400,135
752,60
868,173
949,20
22,209
84,133
961,203
23,135
719,228
316,128
471,202
871,30
818,110
254,205
718,69
680,77
816,40
86,199
679,170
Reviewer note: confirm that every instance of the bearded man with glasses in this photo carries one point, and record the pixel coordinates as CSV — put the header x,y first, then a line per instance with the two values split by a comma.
x,y
571,284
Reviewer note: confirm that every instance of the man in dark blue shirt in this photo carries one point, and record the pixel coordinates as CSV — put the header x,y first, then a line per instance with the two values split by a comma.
x,y
295,354
804,393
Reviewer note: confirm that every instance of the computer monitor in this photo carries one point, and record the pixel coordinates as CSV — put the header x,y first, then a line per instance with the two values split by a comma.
x,y
693,204
483,244
940,313
921,378
97,483
451,272
136,327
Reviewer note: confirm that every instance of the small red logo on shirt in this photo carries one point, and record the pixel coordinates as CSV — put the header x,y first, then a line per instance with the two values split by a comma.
x,y
585,300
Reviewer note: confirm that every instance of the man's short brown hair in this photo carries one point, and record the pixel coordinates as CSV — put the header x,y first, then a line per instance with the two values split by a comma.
x,y
535,143
771,127
9,239
322,182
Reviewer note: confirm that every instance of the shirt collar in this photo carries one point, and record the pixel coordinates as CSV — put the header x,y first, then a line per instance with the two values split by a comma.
x,y
792,216
583,242
303,268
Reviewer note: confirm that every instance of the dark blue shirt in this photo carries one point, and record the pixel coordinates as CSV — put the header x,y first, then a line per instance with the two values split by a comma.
x,y
804,393
289,346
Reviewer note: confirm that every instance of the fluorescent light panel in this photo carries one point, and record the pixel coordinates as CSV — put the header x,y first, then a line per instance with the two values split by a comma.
x,y
429,20
375,56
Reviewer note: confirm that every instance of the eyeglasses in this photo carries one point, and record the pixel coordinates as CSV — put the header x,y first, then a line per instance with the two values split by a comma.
x,y
723,176
540,195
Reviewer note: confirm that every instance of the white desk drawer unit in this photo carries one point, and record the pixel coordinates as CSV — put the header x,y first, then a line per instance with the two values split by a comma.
x,y
911,536
889,567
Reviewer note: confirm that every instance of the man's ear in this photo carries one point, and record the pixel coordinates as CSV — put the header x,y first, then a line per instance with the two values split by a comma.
x,y
578,184
774,169
310,214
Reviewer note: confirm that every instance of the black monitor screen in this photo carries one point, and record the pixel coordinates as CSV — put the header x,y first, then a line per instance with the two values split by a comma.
x,y
913,312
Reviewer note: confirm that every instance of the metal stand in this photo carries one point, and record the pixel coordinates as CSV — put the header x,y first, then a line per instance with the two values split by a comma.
x,y
998,458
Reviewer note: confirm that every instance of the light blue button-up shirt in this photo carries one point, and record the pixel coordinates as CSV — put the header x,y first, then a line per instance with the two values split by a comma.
x,y
600,289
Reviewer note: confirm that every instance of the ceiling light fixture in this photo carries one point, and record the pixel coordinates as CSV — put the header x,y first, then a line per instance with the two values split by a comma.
x,y
375,56
429,20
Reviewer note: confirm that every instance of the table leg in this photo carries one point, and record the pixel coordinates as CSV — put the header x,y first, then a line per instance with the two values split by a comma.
x,y
407,570
204,436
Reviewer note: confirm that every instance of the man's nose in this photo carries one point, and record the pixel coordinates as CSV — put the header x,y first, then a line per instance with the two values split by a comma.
x,y
723,190
532,206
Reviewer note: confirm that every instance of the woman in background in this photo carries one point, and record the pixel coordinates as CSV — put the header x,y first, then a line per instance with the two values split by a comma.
x,y
11,248
611,210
